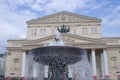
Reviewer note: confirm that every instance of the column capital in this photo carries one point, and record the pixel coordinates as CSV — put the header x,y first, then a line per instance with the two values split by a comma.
x,y
93,49
105,52
104,49
25,51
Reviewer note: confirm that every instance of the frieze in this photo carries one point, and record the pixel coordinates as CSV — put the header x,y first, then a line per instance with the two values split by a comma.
x,y
69,40
64,18
112,41
16,44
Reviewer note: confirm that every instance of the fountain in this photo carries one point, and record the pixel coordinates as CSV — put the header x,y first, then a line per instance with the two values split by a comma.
x,y
61,62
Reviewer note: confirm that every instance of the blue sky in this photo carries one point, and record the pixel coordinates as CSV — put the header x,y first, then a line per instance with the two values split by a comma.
x,y
15,13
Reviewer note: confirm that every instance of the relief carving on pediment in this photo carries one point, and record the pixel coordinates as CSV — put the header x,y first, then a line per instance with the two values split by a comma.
x,y
68,40
53,19
65,18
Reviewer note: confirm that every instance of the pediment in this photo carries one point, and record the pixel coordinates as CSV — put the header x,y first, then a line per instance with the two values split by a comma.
x,y
63,17
67,38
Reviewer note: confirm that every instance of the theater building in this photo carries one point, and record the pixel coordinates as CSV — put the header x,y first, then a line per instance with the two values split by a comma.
x,y
85,32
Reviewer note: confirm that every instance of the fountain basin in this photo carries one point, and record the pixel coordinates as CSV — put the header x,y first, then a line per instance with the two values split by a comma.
x,y
48,54
64,62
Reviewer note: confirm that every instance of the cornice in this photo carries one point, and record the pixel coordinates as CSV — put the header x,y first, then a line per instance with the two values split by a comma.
x,y
90,41
85,38
39,40
111,38
17,40
37,23
113,46
14,48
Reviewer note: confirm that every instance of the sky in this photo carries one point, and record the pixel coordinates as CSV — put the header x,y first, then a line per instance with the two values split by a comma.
x,y
15,13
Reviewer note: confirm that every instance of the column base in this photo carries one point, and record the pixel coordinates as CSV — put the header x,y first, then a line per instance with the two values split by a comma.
x,y
45,78
69,78
94,77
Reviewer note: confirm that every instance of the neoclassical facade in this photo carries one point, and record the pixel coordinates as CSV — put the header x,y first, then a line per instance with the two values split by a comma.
x,y
85,32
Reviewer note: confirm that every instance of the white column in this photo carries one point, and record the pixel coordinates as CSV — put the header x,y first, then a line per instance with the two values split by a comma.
x,y
91,61
26,65
102,65
105,63
23,64
69,72
2,64
94,63
35,69
46,71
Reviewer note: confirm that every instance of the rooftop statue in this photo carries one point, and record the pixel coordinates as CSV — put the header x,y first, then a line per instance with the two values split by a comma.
x,y
64,29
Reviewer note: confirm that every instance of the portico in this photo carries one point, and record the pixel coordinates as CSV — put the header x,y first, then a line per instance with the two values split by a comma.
x,y
94,50
93,62
102,65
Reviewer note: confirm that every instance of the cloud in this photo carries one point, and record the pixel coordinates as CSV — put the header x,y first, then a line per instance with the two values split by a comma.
x,y
14,14
12,22
50,6
8,31
113,18
111,22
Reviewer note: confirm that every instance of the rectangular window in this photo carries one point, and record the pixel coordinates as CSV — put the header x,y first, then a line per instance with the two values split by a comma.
x,y
34,32
54,30
94,30
42,31
74,31
84,31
